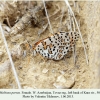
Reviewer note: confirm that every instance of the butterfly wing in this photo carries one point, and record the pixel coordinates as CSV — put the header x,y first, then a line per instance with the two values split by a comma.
x,y
48,47
56,46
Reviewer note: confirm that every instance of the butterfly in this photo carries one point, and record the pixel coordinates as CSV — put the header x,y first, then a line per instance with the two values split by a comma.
x,y
56,46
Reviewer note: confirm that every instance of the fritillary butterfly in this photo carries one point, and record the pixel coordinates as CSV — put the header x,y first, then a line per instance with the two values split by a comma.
x,y
56,46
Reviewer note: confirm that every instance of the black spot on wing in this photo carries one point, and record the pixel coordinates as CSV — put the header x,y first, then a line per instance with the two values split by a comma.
x,y
48,55
49,38
54,46
53,49
67,34
62,32
66,48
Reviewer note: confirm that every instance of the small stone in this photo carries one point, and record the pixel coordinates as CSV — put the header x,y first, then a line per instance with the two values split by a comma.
x,y
62,72
61,78
44,70
63,83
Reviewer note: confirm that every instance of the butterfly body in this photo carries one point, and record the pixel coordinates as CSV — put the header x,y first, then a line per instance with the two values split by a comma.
x,y
56,46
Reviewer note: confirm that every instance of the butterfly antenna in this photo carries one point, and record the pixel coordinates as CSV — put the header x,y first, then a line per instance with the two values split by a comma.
x,y
47,17
67,3
10,58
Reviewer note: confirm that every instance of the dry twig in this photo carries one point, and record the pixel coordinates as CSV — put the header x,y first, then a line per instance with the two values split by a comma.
x,y
78,30
47,17
10,58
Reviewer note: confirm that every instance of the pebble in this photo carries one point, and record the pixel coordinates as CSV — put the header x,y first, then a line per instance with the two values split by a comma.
x,y
63,83
44,70
61,78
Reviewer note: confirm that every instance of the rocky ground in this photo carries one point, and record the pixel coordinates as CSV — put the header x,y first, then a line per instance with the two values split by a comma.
x,y
39,73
